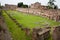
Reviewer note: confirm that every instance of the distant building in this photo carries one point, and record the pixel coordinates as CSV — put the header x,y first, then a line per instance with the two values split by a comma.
x,y
12,7
35,5
41,10
38,5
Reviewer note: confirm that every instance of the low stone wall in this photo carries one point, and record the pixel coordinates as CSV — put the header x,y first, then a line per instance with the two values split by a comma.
x,y
56,33
40,34
49,13
10,7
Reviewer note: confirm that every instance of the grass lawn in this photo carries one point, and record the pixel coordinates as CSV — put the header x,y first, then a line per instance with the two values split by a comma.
x,y
32,21
16,32
27,20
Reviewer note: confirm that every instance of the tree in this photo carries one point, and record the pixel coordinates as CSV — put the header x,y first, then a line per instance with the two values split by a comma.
x,y
25,6
0,6
51,4
20,4
56,7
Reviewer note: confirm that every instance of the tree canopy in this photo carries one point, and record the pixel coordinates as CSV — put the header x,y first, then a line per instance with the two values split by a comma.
x,y
51,4
0,5
20,4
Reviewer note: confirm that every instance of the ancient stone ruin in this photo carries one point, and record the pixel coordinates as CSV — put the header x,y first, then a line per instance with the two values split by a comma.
x,y
9,6
40,10
40,34
27,31
56,33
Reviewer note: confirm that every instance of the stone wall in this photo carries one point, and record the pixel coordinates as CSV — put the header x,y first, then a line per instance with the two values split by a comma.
x,y
38,9
35,5
56,33
12,7
40,34
49,13
38,6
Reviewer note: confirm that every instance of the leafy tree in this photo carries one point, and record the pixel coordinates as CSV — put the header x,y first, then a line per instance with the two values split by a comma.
x,y
51,4
20,4
56,7
25,6
1,6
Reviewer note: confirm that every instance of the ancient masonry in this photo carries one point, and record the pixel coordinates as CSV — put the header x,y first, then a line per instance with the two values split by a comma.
x,y
12,7
56,33
40,34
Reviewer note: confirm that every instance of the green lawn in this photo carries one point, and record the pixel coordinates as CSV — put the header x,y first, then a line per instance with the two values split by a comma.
x,y
32,21
16,32
27,20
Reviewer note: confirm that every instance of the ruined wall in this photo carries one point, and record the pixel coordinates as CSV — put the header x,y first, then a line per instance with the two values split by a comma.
x,y
12,7
37,5
38,9
49,13
40,34
56,33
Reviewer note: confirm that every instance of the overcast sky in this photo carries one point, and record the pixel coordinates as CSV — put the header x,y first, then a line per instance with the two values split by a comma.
x,y
43,2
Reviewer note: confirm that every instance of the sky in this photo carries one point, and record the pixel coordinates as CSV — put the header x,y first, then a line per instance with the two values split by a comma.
x,y
29,2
